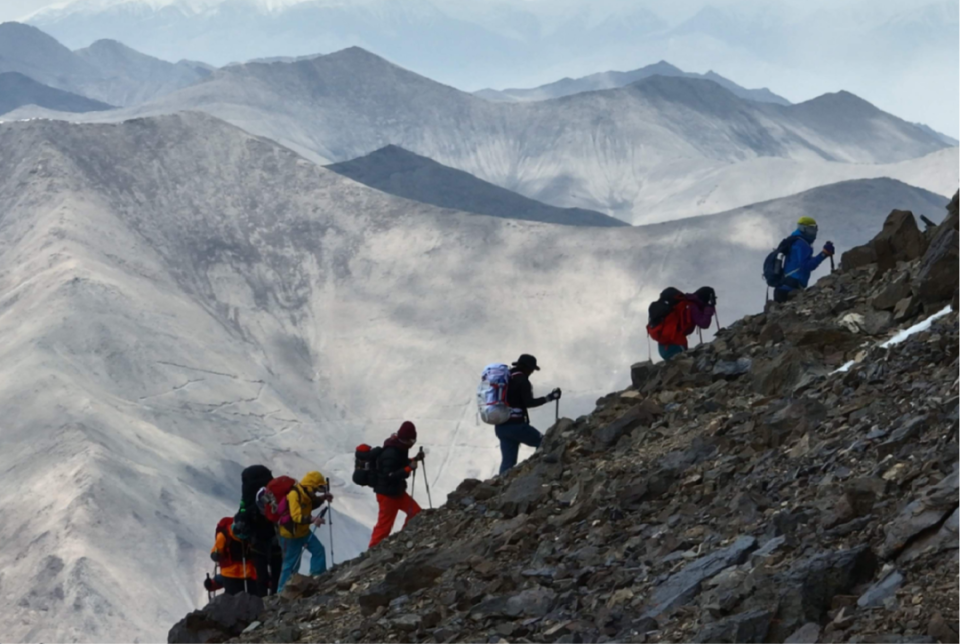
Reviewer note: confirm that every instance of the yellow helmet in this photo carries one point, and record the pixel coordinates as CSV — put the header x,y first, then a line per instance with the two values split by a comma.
x,y
806,221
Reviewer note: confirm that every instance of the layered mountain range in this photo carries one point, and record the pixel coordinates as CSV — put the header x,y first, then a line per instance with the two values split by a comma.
x,y
181,299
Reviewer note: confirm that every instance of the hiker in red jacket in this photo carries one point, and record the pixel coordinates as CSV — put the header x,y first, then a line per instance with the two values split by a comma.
x,y
688,312
393,469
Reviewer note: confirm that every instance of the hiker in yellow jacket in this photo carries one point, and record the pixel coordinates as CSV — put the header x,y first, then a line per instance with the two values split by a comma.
x,y
295,534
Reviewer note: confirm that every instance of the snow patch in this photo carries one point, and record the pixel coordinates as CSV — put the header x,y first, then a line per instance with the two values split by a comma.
x,y
916,328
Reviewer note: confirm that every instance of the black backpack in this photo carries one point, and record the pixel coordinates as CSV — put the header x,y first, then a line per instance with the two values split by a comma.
x,y
659,310
251,480
773,264
365,459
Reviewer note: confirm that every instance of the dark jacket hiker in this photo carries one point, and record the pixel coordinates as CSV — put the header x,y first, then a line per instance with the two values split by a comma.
x,y
517,430
394,466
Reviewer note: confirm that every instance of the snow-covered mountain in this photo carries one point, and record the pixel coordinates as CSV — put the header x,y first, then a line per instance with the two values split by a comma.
x,y
17,90
106,71
179,298
405,174
612,79
633,152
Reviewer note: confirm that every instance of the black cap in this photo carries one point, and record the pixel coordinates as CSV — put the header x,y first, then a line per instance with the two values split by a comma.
x,y
527,361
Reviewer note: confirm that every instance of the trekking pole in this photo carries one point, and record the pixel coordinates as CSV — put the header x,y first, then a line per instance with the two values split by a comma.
x,y
209,585
243,556
700,331
716,318
831,263
413,487
426,479
556,412
330,524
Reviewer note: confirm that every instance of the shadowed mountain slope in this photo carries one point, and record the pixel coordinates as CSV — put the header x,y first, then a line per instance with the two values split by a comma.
x,y
17,90
405,174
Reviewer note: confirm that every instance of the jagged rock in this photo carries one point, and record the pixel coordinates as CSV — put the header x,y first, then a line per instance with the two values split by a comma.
x,y
784,372
906,308
641,373
945,538
934,505
937,279
910,427
732,368
862,493
406,623
608,435
809,633
684,585
877,322
900,238
522,494
940,630
803,593
751,626
880,591
858,257
300,586
796,418
887,298
224,617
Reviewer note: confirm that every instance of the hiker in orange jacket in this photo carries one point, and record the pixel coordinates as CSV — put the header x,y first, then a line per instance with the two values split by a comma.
x,y
228,552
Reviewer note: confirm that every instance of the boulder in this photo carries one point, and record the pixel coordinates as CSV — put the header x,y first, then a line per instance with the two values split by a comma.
x,y
878,593
684,585
606,436
900,237
809,633
932,507
888,297
751,626
862,494
858,257
641,373
223,618
937,278
906,308
784,372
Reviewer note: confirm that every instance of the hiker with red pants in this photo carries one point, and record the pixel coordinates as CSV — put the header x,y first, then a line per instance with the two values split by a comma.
x,y
518,430
676,315
394,467
237,571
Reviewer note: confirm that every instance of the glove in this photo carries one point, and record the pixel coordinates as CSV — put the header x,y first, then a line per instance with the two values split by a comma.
x,y
828,249
554,395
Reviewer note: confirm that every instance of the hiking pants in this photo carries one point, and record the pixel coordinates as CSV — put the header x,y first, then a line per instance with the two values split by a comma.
x,y
511,435
389,506
668,351
268,560
780,295
293,553
233,586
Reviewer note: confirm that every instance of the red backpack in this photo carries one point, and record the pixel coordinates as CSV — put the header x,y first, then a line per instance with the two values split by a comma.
x,y
673,327
272,500
233,553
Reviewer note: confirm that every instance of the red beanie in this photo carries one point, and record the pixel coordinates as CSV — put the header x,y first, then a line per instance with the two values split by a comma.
x,y
408,432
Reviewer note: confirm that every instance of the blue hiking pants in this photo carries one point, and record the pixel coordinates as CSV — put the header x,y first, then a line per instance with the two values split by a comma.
x,y
668,351
293,552
511,435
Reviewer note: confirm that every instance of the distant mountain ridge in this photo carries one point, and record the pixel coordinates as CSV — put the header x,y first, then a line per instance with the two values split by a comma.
x,y
107,70
614,79
17,90
402,173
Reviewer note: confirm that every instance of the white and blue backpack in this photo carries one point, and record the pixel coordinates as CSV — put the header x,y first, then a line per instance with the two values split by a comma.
x,y
492,394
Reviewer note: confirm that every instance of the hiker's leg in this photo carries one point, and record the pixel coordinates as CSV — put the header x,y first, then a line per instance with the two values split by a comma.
x,y
318,556
528,435
292,549
276,567
409,506
389,507
260,563
668,351
509,447
232,586
780,296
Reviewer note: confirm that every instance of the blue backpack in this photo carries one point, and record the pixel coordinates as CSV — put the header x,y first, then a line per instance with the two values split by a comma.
x,y
773,265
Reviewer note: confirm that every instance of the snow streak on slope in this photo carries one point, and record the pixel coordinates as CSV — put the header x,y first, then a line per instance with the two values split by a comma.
x,y
180,299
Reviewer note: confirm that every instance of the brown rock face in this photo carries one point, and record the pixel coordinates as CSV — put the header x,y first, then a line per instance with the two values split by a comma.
x,y
900,238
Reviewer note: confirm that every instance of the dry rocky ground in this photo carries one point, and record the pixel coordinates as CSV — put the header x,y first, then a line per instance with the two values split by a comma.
x,y
749,491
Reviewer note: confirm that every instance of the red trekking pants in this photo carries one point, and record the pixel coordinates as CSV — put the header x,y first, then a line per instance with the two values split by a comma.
x,y
389,506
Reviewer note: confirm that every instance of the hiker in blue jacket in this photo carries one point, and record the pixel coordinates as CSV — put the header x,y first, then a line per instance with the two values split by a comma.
x,y
801,261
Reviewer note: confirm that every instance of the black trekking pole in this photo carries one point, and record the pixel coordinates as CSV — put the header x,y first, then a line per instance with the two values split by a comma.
x,y
209,585
413,486
556,412
426,479
330,525
243,556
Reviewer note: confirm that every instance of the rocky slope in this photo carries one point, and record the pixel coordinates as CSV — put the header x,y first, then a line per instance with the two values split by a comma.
x,y
179,299
405,174
794,480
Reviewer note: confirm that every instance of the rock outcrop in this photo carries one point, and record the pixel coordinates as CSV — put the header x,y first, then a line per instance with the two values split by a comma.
x,y
791,481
